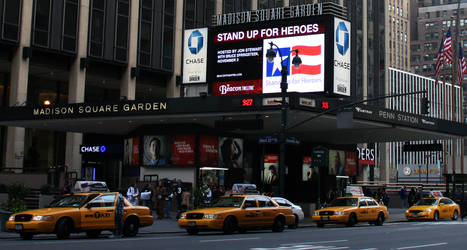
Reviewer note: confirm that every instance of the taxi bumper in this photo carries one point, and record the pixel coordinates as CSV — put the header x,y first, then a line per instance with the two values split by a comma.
x,y
203,224
30,226
146,220
344,218
419,216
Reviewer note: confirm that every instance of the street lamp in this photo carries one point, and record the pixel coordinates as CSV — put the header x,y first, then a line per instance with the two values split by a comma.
x,y
296,61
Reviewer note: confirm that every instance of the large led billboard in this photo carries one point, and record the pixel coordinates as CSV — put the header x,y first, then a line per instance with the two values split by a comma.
x,y
237,62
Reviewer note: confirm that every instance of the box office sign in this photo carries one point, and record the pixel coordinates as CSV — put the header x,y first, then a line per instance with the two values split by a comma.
x,y
419,172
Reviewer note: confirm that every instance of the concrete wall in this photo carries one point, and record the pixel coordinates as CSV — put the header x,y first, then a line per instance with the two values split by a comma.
x,y
34,181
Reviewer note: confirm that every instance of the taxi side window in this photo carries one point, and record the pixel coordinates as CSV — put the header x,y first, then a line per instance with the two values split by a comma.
x,y
362,203
265,202
445,201
103,201
249,202
371,203
282,202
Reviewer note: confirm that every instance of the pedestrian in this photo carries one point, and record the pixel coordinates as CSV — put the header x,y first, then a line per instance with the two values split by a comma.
x,y
146,196
119,210
403,196
385,198
160,197
132,194
168,201
178,196
207,195
186,196
412,197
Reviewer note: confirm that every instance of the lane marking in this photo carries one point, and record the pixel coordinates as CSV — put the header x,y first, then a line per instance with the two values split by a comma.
x,y
427,245
313,242
220,240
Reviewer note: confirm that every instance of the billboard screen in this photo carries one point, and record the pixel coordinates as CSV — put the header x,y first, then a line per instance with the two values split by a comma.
x,y
237,62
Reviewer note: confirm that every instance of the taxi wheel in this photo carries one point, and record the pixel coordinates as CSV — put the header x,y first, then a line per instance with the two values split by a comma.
x,y
130,229
436,216
192,231
380,220
278,225
455,216
229,225
63,228
93,233
352,220
26,236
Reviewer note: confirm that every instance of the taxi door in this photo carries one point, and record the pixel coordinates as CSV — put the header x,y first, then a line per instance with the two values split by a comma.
x,y
363,210
444,208
249,215
99,213
372,210
268,211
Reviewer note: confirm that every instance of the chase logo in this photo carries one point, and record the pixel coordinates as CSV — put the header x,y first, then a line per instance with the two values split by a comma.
x,y
342,38
195,42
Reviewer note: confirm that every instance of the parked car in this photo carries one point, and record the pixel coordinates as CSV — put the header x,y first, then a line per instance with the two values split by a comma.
x,y
434,208
350,211
80,212
238,213
296,209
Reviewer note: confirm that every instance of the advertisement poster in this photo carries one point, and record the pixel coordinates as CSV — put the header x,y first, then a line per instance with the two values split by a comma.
x,y
208,150
336,162
183,150
271,169
307,169
342,57
156,150
195,55
210,177
135,153
351,163
127,153
230,152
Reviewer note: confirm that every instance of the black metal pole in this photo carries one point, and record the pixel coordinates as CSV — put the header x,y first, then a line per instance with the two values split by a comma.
x,y
282,136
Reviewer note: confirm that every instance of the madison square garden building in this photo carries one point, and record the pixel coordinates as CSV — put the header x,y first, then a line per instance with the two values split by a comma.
x,y
126,91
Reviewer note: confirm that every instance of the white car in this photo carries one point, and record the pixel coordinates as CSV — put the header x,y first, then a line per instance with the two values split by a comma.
x,y
297,210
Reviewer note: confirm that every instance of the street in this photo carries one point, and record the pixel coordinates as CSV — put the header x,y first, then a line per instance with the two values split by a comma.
x,y
399,235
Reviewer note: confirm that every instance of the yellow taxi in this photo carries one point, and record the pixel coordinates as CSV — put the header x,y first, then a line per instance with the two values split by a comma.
x,y
238,212
433,208
79,212
350,211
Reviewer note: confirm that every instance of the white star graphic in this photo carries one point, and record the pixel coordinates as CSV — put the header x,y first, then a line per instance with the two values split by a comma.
x,y
277,63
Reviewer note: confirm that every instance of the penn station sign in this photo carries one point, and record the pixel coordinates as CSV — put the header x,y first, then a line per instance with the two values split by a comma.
x,y
89,109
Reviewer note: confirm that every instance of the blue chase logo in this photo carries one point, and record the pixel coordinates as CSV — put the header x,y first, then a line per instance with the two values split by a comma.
x,y
195,42
342,38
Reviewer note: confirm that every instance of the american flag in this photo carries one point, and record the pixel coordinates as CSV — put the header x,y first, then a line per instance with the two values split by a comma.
x,y
462,66
448,47
439,62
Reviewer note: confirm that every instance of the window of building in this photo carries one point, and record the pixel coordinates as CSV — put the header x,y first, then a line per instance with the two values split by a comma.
x,y
70,25
97,28
145,33
121,35
11,14
41,22
167,50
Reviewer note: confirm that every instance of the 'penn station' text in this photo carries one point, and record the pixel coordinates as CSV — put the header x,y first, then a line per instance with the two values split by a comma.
x,y
109,108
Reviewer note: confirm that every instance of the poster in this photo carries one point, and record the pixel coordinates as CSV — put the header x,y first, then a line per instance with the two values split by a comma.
x,y
271,173
183,150
135,152
156,150
307,169
230,152
208,150
127,153
350,163
336,162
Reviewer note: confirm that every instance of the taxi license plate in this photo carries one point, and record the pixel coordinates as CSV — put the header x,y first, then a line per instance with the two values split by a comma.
x,y
324,217
414,215
18,226
192,223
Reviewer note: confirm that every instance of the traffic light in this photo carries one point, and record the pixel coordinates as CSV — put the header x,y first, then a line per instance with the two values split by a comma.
x,y
425,106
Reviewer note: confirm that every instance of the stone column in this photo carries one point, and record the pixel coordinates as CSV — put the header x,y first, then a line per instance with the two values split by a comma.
x,y
14,153
128,83
172,89
76,87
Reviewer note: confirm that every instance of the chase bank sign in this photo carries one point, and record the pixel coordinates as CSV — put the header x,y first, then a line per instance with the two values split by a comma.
x,y
342,51
195,56
92,149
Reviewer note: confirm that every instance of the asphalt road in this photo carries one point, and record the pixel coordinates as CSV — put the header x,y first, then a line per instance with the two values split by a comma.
x,y
403,235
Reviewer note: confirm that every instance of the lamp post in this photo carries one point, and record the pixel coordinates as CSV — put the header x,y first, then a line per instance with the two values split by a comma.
x,y
296,61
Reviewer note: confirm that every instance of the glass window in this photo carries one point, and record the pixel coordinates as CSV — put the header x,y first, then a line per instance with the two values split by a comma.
x,y
41,22
70,26
372,203
249,202
362,203
97,28
11,23
103,201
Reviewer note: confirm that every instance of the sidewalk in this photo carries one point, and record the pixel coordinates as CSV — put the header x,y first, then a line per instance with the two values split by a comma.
x,y
166,226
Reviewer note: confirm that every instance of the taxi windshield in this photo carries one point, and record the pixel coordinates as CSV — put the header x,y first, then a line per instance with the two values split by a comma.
x,y
426,202
228,202
69,201
341,202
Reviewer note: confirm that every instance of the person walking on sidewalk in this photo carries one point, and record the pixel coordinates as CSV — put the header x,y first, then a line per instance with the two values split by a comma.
x,y
146,196
119,209
133,194
168,201
160,198
403,195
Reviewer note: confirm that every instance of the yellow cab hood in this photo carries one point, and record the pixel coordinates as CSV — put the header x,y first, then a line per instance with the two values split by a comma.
x,y
421,207
340,208
48,211
214,210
